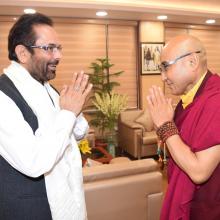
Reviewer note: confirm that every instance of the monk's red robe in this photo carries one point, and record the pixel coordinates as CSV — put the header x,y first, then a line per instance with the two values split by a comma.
x,y
199,127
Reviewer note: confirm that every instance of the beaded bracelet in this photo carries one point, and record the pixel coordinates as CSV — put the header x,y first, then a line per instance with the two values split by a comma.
x,y
166,130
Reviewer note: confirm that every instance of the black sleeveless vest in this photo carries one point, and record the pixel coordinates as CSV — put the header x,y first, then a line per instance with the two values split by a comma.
x,y
21,197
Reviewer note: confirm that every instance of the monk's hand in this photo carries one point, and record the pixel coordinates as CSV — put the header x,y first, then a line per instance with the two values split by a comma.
x,y
160,107
73,96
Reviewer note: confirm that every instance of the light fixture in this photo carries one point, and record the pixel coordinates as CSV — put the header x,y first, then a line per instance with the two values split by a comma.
x,y
14,18
162,17
29,11
210,21
101,13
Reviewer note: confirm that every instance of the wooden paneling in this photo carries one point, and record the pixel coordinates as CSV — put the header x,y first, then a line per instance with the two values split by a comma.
x,y
83,42
4,30
172,32
122,52
211,40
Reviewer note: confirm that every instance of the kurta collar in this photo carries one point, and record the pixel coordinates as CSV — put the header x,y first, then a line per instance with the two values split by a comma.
x,y
188,98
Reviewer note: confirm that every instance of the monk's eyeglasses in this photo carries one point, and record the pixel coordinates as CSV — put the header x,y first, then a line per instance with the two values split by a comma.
x,y
165,64
52,48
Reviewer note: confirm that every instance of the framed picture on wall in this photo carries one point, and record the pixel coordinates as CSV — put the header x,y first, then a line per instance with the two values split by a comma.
x,y
150,58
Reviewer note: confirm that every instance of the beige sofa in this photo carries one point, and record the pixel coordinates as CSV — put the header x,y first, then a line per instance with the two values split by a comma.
x,y
136,134
123,191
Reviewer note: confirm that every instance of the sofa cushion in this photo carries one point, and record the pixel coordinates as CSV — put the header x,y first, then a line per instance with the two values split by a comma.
x,y
133,124
150,137
130,115
145,120
108,171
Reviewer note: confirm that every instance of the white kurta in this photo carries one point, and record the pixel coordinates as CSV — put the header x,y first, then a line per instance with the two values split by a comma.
x,y
52,150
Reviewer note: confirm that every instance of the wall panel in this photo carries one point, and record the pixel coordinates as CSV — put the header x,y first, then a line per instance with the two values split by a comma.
x,y
211,40
122,53
83,42
4,30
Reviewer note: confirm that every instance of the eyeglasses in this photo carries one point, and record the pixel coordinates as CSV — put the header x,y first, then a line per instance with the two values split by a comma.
x,y
165,64
52,48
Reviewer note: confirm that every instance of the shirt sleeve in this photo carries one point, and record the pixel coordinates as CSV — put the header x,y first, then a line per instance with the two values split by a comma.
x,y
32,154
81,127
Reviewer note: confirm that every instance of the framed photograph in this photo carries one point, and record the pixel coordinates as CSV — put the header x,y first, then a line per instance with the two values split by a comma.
x,y
150,58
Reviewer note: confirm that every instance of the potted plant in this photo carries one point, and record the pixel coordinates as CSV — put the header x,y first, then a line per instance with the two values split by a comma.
x,y
101,78
110,106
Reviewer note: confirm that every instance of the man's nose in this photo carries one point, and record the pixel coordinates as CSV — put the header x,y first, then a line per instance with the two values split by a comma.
x,y
57,54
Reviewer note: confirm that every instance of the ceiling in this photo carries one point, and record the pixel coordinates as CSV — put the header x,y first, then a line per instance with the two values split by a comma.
x,y
184,11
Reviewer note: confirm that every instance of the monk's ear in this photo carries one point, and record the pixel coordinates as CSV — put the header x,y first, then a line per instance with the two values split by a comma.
x,y
193,61
22,53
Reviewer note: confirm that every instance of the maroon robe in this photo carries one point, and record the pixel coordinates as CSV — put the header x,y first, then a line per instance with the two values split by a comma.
x,y
199,127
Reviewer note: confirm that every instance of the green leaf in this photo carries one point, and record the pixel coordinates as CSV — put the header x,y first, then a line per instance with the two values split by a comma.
x,y
103,99
117,73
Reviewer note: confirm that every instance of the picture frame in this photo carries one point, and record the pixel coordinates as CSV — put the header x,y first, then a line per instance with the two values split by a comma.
x,y
150,57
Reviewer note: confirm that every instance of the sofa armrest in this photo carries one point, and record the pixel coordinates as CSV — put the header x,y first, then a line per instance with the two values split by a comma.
x,y
132,125
130,115
129,138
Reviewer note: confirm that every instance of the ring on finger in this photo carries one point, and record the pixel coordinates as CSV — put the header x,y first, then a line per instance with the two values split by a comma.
x,y
76,88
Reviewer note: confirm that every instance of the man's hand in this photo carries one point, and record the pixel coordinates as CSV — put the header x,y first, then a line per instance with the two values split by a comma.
x,y
160,108
73,96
